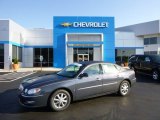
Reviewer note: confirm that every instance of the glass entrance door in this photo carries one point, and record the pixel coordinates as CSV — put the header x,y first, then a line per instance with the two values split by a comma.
x,y
82,54
83,57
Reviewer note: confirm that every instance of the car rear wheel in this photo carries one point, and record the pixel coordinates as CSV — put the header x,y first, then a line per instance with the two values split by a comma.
x,y
155,75
124,88
60,100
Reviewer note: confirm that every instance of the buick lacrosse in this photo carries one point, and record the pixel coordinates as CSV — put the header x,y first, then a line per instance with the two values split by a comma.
x,y
75,82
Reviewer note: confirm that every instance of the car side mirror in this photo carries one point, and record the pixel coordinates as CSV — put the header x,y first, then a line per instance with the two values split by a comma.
x,y
83,75
148,61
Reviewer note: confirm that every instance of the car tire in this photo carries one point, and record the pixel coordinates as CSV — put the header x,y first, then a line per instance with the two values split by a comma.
x,y
60,100
124,88
155,75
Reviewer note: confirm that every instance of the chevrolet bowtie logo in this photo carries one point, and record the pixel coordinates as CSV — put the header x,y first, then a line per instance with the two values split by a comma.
x,y
66,24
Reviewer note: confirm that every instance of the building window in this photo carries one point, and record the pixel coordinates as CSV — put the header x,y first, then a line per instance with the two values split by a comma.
x,y
123,54
17,53
1,56
146,41
14,51
158,40
47,54
146,52
149,41
153,52
150,52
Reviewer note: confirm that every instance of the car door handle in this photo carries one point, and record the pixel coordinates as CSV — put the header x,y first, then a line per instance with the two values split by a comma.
x,y
98,79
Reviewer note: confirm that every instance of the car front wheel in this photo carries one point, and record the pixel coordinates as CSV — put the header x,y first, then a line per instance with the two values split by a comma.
x,y
60,100
124,88
155,75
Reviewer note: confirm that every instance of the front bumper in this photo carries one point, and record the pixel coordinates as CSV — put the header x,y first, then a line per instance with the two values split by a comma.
x,y
133,81
33,101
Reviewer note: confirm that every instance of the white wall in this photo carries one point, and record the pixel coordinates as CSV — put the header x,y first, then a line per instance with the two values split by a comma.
x,y
35,37
140,51
127,39
4,30
142,29
7,54
39,37
97,56
16,32
27,57
84,37
70,55
153,47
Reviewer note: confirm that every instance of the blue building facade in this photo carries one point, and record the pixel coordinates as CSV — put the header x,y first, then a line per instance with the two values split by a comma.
x,y
74,36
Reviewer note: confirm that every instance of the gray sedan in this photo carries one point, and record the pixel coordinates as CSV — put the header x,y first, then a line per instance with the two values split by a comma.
x,y
76,82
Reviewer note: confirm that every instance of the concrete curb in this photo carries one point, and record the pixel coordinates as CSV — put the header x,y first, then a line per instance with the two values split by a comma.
x,y
32,70
36,70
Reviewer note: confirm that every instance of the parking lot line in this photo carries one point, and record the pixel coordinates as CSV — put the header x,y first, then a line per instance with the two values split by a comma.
x,y
7,74
17,78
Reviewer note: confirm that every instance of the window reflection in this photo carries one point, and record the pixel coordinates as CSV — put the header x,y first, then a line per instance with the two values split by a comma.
x,y
1,56
47,54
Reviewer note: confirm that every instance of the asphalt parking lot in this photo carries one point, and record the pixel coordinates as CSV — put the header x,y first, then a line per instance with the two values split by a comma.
x,y
143,103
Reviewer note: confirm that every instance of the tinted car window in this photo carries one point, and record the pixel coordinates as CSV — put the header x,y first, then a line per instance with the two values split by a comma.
x,y
147,59
92,70
118,67
140,58
156,59
70,71
133,58
109,68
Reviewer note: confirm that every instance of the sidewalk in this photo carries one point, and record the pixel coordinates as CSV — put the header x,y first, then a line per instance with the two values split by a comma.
x,y
35,69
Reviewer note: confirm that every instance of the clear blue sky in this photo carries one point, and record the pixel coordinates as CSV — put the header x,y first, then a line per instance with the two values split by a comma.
x,y
39,13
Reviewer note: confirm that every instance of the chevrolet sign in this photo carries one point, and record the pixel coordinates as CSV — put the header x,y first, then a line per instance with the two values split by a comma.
x,y
91,24
86,24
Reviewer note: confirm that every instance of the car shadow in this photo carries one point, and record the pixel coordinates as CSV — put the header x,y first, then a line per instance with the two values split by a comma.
x,y
9,103
142,78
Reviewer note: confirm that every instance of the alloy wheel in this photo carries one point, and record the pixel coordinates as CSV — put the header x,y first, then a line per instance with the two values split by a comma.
x,y
155,75
124,88
60,100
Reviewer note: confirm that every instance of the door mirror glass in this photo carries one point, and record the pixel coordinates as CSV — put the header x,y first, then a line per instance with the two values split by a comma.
x,y
83,75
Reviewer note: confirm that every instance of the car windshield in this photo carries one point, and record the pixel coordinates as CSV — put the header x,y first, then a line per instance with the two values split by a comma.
x,y
156,59
71,70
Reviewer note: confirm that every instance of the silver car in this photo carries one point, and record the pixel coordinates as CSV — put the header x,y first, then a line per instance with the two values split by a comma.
x,y
75,82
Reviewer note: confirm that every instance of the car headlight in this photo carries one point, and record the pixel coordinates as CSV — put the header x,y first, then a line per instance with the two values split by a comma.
x,y
33,91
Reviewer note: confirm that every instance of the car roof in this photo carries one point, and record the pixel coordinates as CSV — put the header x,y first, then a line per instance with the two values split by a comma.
x,y
145,55
90,62
86,63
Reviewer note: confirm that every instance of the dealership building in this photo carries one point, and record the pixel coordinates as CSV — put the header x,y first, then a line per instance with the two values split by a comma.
x,y
75,39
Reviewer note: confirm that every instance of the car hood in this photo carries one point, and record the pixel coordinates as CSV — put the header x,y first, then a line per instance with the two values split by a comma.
x,y
39,81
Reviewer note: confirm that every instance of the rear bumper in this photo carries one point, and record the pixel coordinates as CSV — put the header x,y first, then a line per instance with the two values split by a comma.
x,y
33,101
